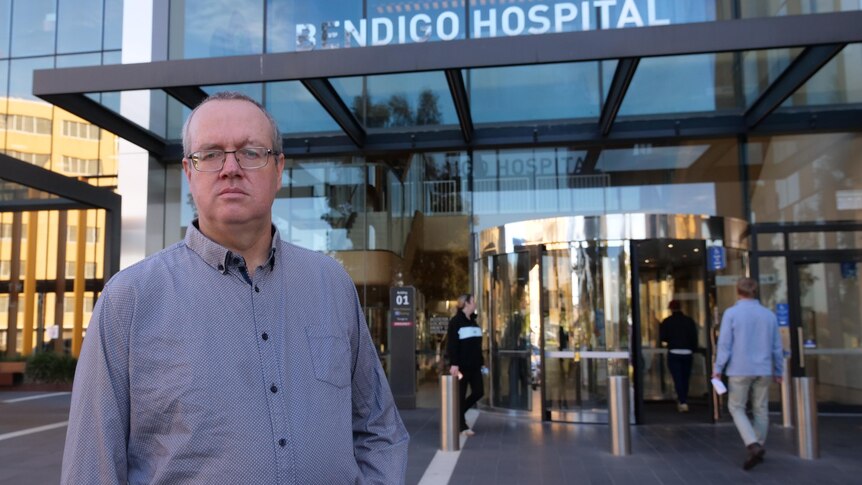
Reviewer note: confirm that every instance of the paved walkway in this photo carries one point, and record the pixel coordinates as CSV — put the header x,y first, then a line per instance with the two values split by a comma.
x,y
513,451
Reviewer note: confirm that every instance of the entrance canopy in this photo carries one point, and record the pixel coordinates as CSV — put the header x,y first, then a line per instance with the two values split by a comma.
x,y
711,79
25,187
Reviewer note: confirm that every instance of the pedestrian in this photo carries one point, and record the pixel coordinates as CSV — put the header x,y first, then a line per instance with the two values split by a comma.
x,y
465,356
750,353
232,356
679,333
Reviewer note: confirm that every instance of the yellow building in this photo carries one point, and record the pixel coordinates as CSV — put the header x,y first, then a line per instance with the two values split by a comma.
x,y
56,257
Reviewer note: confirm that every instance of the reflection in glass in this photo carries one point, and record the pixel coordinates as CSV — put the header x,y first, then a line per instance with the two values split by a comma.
x,y
542,92
296,110
5,19
34,25
682,84
80,26
832,330
399,100
761,68
837,83
21,76
511,353
113,24
806,178
301,26
213,28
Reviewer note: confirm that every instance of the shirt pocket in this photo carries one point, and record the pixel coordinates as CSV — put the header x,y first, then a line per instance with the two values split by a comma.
x,y
330,354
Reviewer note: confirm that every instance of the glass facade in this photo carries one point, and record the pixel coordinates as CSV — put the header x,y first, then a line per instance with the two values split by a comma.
x,y
53,270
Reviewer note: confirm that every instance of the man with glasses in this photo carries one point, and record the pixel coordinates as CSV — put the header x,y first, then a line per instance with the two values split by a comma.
x,y
232,356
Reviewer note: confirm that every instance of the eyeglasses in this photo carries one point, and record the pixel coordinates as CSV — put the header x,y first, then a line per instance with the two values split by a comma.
x,y
248,158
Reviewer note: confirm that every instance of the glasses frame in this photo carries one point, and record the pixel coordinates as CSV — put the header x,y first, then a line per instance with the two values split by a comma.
x,y
193,158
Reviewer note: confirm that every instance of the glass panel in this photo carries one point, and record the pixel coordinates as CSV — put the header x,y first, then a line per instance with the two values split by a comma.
x,y
11,191
839,82
683,84
296,110
762,68
669,179
80,26
511,352
831,320
21,76
773,295
542,92
399,100
34,24
672,270
770,242
806,178
826,240
779,8
213,28
113,24
5,18
301,26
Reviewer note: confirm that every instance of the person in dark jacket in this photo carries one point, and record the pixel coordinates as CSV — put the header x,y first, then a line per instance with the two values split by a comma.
x,y
465,355
679,332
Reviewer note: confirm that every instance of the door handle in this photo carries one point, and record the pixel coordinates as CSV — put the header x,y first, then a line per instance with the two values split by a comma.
x,y
801,346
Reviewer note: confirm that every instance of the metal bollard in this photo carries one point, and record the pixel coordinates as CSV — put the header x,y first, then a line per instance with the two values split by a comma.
x,y
618,387
450,417
806,418
786,396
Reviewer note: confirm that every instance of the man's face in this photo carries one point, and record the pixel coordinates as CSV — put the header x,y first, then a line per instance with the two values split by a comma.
x,y
470,306
233,195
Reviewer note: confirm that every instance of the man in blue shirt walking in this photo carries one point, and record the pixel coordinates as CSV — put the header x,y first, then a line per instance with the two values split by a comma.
x,y
750,353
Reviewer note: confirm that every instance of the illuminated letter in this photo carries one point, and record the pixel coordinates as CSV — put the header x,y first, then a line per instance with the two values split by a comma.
x,y
507,24
605,15
630,14
585,16
491,23
441,26
559,17
350,32
651,15
402,30
306,37
375,31
534,16
426,28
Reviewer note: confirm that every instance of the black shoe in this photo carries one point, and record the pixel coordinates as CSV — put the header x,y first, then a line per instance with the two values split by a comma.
x,y
755,456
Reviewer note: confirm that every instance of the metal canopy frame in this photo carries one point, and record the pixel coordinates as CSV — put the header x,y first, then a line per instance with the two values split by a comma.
x,y
73,194
821,35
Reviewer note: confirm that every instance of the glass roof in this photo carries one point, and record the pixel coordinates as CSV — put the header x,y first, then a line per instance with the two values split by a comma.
x,y
837,83
420,101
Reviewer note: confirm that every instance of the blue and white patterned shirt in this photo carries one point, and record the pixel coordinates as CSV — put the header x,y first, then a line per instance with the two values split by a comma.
x,y
192,372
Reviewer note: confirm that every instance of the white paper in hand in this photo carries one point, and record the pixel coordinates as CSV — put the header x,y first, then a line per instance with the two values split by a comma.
x,y
718,386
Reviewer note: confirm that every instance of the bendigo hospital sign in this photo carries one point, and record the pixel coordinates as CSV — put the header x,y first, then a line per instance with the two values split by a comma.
x,y
482,22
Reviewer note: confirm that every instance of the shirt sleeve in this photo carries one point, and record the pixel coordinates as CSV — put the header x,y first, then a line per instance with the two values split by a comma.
x,y
452,342
98,432
725,341
379,437
777,351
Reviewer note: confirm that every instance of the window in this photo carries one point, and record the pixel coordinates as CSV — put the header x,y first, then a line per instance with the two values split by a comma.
x,y
72,234
69,303
89,269
4,303
40,159
80,166
5,269
29,124
75,129
92,234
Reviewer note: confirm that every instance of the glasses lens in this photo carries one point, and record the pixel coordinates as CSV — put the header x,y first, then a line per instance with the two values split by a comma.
x,y
252,157
208,160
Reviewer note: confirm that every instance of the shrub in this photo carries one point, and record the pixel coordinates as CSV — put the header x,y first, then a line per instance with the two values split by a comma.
x,y
51,368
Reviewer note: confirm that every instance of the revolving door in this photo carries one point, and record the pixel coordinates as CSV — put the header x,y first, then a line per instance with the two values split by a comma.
x,y
567,302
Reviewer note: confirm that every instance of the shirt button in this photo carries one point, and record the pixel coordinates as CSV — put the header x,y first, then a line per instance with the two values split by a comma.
x,y
264,336
282,442
256,289
273,389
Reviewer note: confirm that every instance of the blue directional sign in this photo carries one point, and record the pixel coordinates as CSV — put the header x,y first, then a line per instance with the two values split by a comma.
x,y
782,311
848,270
716,258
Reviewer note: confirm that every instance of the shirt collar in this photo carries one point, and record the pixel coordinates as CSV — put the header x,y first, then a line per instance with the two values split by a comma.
x,y
219,257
